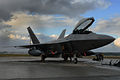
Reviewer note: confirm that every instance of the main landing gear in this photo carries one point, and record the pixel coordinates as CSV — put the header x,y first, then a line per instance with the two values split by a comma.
x,y
75,60
72,57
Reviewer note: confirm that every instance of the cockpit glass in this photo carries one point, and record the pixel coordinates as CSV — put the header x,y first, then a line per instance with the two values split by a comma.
x,y
84,24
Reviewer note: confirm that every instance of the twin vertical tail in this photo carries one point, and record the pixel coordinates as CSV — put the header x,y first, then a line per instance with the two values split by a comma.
x,y
35,39
62,34
33,36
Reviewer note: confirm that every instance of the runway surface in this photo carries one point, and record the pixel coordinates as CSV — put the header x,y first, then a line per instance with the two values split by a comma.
x,y
31,68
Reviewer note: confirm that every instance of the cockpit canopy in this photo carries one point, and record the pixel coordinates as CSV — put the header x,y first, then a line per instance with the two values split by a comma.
x,y
83,25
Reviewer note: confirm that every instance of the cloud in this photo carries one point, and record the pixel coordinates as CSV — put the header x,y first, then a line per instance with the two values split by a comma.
x,y
47,7
117,42
22,19
54,36
45,38
41,37
12,36
4,32
109,26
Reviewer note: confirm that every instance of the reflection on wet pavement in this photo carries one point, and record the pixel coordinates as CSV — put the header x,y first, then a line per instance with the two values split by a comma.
x,y
31,68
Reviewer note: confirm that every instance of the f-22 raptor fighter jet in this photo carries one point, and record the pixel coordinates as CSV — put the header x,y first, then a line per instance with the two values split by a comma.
x,y
78,43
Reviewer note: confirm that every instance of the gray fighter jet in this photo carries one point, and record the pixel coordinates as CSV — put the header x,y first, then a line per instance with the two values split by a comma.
x,y
76,44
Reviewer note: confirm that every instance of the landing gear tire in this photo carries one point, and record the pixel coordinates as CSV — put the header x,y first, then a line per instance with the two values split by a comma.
x,y
65,58
43,58
75,61
70,59
75,53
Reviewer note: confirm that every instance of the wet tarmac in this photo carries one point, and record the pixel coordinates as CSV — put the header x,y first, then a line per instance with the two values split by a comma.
x,y
31,68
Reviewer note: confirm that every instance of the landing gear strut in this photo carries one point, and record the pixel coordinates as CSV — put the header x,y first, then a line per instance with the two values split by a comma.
x,y
75,61
65,58
43,58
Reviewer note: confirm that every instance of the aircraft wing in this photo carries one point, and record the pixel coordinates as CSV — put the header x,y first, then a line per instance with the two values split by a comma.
x,y
42,44
27,46
32,45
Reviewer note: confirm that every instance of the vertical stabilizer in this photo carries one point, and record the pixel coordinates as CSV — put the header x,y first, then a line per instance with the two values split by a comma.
x,y
32,36
62,34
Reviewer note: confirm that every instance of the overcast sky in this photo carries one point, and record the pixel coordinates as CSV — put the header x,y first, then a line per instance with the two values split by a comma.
x,y
49,17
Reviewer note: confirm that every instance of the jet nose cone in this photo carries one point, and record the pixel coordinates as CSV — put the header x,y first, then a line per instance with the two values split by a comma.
x,y
103,40
110,38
